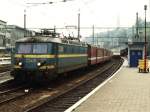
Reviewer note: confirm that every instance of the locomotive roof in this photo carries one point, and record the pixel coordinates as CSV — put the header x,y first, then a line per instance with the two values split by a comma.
x,y
50,39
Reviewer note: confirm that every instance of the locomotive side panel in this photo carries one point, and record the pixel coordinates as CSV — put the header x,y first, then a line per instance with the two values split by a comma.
x,y
71,57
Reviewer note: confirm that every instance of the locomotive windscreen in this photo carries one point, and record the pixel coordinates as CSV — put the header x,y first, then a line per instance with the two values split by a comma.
x,y
39,48
24,48
32,48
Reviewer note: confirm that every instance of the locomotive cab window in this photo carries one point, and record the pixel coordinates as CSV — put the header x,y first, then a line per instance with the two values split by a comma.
x,y
34,48
61,49
40,48
24,48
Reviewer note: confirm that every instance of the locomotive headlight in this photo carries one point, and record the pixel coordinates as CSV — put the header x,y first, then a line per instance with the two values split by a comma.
x,y
20,63
38,64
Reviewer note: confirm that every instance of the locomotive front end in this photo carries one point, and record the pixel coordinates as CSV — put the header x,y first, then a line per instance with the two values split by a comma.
x,y
33,61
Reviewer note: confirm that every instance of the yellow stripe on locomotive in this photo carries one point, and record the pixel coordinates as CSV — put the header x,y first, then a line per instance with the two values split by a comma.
x,y
49,56
33,56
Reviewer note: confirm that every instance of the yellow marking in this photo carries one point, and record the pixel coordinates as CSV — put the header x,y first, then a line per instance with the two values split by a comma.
x,y
47,67
33,56
49,56
71,55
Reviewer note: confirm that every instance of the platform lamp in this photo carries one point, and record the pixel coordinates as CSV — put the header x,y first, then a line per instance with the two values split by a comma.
x,y
145,42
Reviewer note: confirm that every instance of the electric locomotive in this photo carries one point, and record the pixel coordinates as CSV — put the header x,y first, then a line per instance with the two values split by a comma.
x,y
46,56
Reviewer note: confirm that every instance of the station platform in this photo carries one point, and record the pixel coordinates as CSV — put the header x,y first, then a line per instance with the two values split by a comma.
x,y
126,91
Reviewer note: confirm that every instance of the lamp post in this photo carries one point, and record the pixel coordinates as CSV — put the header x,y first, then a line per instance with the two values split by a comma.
x,y
79,24
25,23
93,35
145,42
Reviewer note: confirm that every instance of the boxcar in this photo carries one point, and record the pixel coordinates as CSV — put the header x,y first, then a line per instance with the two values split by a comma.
x,y
71,57
92,52
100,55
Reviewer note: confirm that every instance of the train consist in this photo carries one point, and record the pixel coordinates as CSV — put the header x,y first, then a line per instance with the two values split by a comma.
x,y
46,57
124,52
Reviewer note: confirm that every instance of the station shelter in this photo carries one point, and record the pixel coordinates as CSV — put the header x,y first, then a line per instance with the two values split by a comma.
x,y
135,52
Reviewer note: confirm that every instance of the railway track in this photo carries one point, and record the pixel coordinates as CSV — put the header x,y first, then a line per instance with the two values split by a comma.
x,y
11,94
63,102
7,85
10,90
5,68
58,96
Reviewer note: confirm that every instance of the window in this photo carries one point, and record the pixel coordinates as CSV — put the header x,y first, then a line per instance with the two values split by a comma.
x,y
61,49
51,48
67,49
83,50
78,49
24,48
39,48
35,48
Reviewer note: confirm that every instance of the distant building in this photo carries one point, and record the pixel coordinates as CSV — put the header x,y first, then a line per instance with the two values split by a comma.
x,y
2,33
10,33
17,32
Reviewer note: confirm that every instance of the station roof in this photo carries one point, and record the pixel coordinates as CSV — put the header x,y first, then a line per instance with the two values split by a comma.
x,y
3,21
135,43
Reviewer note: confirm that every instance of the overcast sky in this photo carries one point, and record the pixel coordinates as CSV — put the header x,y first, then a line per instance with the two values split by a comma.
x,y
103,13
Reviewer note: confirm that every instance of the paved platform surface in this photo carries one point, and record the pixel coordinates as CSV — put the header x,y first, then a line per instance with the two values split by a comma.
x,y
127,91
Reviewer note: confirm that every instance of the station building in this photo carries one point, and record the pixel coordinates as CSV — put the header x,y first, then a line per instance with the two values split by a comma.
x,y
17,32
9,34
2,33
